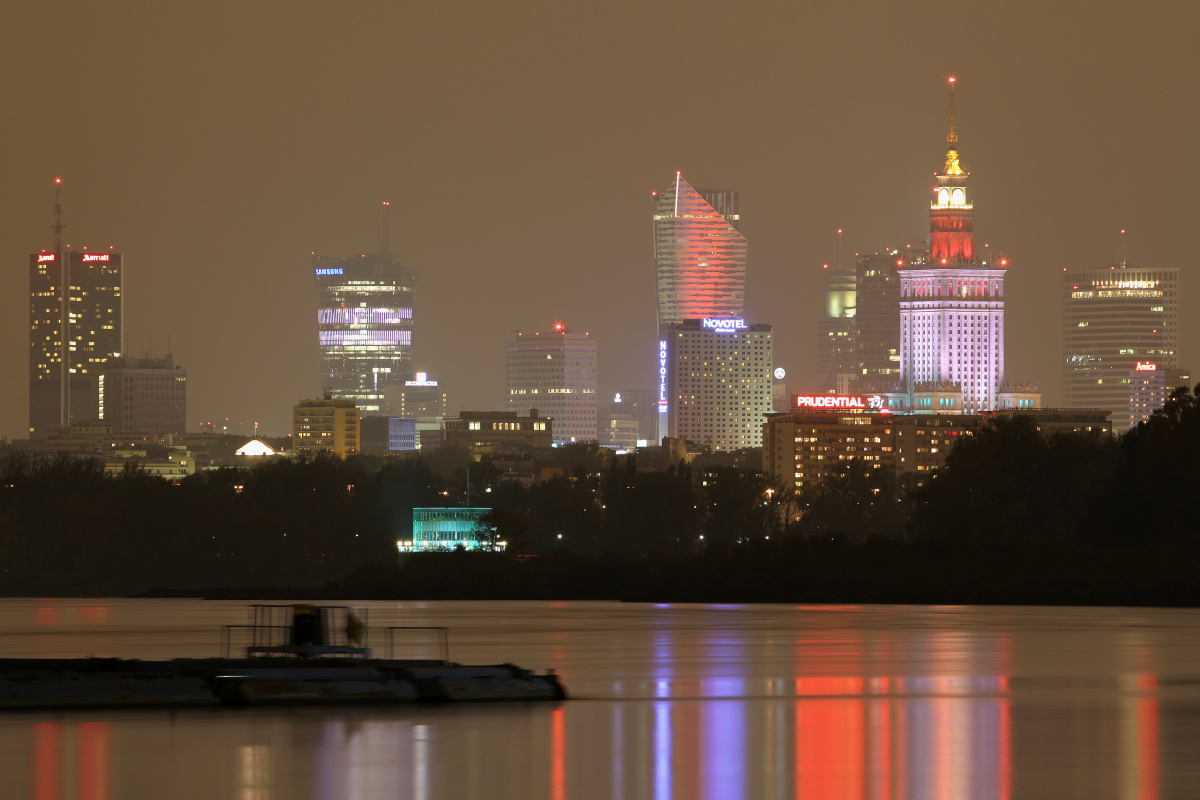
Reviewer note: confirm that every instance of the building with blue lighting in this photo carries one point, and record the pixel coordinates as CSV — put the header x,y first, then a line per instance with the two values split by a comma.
x,y
440,529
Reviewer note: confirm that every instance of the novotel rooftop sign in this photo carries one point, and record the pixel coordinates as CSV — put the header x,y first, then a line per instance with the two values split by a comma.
x,y
834,402
1146,366
724,325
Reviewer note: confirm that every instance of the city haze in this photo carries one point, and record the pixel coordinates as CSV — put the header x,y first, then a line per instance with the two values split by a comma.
x,y
217,146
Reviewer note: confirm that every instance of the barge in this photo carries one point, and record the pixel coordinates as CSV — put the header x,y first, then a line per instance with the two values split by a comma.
x,y
295,655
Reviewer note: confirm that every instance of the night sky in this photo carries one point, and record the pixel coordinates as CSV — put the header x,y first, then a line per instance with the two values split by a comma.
x,y
216,145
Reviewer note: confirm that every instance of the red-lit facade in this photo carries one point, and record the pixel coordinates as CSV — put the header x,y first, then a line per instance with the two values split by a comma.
x,y
699,253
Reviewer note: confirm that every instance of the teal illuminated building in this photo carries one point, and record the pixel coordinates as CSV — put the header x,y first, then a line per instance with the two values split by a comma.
x,y
437,529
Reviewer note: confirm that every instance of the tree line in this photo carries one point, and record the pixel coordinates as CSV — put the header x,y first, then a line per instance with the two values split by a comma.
x,y
1026,511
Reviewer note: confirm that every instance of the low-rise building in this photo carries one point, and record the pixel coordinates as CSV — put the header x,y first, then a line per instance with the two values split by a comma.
x,y
440,529
329,426
499,433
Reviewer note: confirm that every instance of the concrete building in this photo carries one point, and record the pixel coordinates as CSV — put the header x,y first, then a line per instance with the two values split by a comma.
x,y
143,395
804,446
387,434
836,356
329,426
422,399
877,315
716,381
555,372
1149,387
499,433
641,406
79,328
1114,319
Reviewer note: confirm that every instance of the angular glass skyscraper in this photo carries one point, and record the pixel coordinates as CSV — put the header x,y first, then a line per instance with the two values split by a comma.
x,y
364,326
699,253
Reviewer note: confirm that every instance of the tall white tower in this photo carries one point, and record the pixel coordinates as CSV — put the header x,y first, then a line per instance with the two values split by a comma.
x,y
952,303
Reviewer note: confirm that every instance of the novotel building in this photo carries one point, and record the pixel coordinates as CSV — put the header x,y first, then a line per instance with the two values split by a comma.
x,y
364,326
714,381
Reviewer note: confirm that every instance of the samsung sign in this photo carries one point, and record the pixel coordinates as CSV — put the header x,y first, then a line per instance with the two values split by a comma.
x,y
329,270
837,401
724,325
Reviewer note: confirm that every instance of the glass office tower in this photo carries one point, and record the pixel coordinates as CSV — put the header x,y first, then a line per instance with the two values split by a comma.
x,y
364,326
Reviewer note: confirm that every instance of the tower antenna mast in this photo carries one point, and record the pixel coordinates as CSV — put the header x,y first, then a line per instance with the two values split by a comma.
x,y
952,132
64,322
386,204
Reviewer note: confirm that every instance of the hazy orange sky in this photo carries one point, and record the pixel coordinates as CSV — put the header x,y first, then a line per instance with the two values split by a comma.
x,y
216,145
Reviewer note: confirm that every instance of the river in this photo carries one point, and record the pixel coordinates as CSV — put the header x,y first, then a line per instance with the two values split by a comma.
x,y
668,701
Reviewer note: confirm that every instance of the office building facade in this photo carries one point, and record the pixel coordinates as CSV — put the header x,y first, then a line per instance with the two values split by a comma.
x,y
836,355
364,326
422,399
554,372
877,314
143,395
716,377
1150,386
1113,319
75,327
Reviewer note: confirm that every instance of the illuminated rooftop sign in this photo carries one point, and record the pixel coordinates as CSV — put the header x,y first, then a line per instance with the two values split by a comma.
x,y
1146,366
94,257
422,380
329,270
837,401
46,257
662,376
724,325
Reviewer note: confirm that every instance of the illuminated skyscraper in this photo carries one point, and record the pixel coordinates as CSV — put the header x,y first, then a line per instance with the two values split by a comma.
x,y
364,326
952,305
79,327
699,253
1113,319
836,326
718,381
554,372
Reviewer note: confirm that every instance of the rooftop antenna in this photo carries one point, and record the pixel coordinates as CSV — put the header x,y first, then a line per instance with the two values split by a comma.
x,y
1124,248
385,227
839,250
952,133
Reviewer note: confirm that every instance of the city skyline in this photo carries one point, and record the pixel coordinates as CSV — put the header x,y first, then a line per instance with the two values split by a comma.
x,y
225,191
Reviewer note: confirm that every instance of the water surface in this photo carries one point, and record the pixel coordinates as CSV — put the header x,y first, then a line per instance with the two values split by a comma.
x,y
668,701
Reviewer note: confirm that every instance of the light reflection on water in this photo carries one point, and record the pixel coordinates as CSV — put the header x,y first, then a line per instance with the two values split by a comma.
x,y
872,703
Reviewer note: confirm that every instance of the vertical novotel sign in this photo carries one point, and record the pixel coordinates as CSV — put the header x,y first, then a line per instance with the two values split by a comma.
x,y
662,376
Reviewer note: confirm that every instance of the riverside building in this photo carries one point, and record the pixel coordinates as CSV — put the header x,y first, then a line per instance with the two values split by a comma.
x,y
554,372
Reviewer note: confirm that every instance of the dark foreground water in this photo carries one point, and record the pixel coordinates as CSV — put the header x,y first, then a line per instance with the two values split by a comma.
x,y
813,703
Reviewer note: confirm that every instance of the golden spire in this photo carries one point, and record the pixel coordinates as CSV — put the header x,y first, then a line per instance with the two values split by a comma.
x,y
952,165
